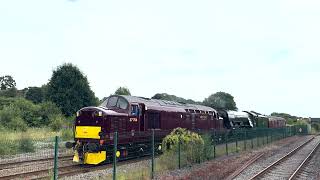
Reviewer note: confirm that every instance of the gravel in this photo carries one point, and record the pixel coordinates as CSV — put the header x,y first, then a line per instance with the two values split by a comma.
x,y
312,169
269,158
222,167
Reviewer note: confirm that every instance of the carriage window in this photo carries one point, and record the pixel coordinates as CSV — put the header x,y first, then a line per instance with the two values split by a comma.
x,y
112,102
122,103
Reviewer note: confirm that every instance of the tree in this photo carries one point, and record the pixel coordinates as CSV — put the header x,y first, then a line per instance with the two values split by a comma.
x,y
221,100
7,82
123,91
69,89
168,97
35,94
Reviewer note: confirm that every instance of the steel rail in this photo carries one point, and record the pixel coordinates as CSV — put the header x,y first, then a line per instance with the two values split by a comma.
x,y
296,172
280,160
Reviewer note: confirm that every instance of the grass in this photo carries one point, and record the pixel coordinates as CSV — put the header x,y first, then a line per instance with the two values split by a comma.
x,y
33,133
16,142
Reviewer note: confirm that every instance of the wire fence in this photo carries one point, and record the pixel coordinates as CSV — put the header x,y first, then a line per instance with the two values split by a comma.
x,y
20,158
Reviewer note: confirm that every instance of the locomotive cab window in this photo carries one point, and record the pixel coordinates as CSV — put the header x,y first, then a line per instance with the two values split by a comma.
x,y
134,110
112,101
122,103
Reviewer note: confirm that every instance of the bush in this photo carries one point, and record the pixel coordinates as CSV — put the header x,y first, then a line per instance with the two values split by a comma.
x,y
56,122
67,134
207,153
48,109
8,147
29,112
26,145
10,117
192,144
17,124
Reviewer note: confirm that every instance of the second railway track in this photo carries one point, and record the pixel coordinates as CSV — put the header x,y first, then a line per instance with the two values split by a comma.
x,y
287,166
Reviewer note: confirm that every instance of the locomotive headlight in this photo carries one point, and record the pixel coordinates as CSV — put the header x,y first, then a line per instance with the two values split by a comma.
x,y
100,113
77,114
118,153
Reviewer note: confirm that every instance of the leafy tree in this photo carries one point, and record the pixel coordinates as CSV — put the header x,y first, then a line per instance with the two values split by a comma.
x,y
7,82
290,119
11,92
69,89
35,94
221,100
168,97
123,91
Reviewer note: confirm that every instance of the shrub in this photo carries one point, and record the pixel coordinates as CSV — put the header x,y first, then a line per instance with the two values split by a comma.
x,y
8,147
192,144
56,122
48,109
10,117
67,134
17,124
29,112
26,145
207,147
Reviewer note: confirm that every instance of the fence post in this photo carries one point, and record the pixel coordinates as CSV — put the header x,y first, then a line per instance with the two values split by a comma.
x,y
258,135
226,139
245,140
115,143
179,152
55,168
214,144
152,162
251,141
237,142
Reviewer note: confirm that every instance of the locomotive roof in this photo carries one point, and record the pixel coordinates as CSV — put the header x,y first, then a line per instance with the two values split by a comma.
x,y
157,104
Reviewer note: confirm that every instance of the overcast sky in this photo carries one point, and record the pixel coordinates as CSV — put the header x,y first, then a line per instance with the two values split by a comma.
x,y
265,53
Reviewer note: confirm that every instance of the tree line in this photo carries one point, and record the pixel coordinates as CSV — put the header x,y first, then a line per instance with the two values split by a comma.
x,y
67,91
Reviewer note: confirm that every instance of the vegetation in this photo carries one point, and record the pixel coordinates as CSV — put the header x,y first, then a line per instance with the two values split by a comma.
x,y
69,89
19,114
168,97
7,82
192,145
221,100
123,91
35,94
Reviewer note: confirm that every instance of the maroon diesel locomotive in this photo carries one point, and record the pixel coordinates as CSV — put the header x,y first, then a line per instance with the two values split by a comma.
x,y
133,117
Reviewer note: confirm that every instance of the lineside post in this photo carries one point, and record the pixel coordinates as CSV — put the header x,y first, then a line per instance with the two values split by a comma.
x,y
55,166
214,144
237,142
152,161
226,139
245,140
251,141
179,152
115,143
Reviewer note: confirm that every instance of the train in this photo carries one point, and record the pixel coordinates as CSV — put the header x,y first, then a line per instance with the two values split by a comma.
x,y
134,118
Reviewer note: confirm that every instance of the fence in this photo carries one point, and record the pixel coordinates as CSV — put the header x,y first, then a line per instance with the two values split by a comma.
x,y
22,157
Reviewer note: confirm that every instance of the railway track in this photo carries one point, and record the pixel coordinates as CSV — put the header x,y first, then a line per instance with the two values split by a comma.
x,y
288,166
9,165
65,168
